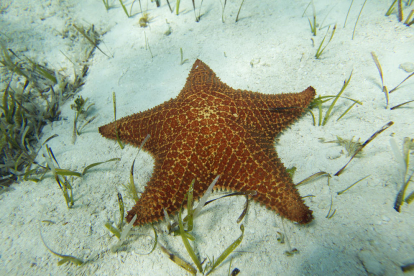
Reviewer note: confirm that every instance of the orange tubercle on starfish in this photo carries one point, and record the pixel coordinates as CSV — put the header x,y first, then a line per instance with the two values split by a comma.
x,y
211,129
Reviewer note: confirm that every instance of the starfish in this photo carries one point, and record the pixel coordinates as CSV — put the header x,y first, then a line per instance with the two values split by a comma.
x,y
210,129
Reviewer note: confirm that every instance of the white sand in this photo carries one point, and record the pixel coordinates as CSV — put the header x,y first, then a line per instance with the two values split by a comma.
x,y
366,234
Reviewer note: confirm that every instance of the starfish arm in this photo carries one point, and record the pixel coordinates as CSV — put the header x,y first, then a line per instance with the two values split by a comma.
x,y
201,79
270,114
159,122
245,165
173,173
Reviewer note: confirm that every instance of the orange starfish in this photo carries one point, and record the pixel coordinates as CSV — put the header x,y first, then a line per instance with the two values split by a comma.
x,y
210,129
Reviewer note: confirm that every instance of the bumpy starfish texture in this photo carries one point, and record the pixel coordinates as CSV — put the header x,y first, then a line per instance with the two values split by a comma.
x,y
210,129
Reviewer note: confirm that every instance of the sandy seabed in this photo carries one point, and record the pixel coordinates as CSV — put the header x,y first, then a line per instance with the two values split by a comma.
x,y
270,50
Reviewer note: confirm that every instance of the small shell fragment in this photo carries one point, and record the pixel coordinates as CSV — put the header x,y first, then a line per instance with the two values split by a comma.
x,y
407,67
